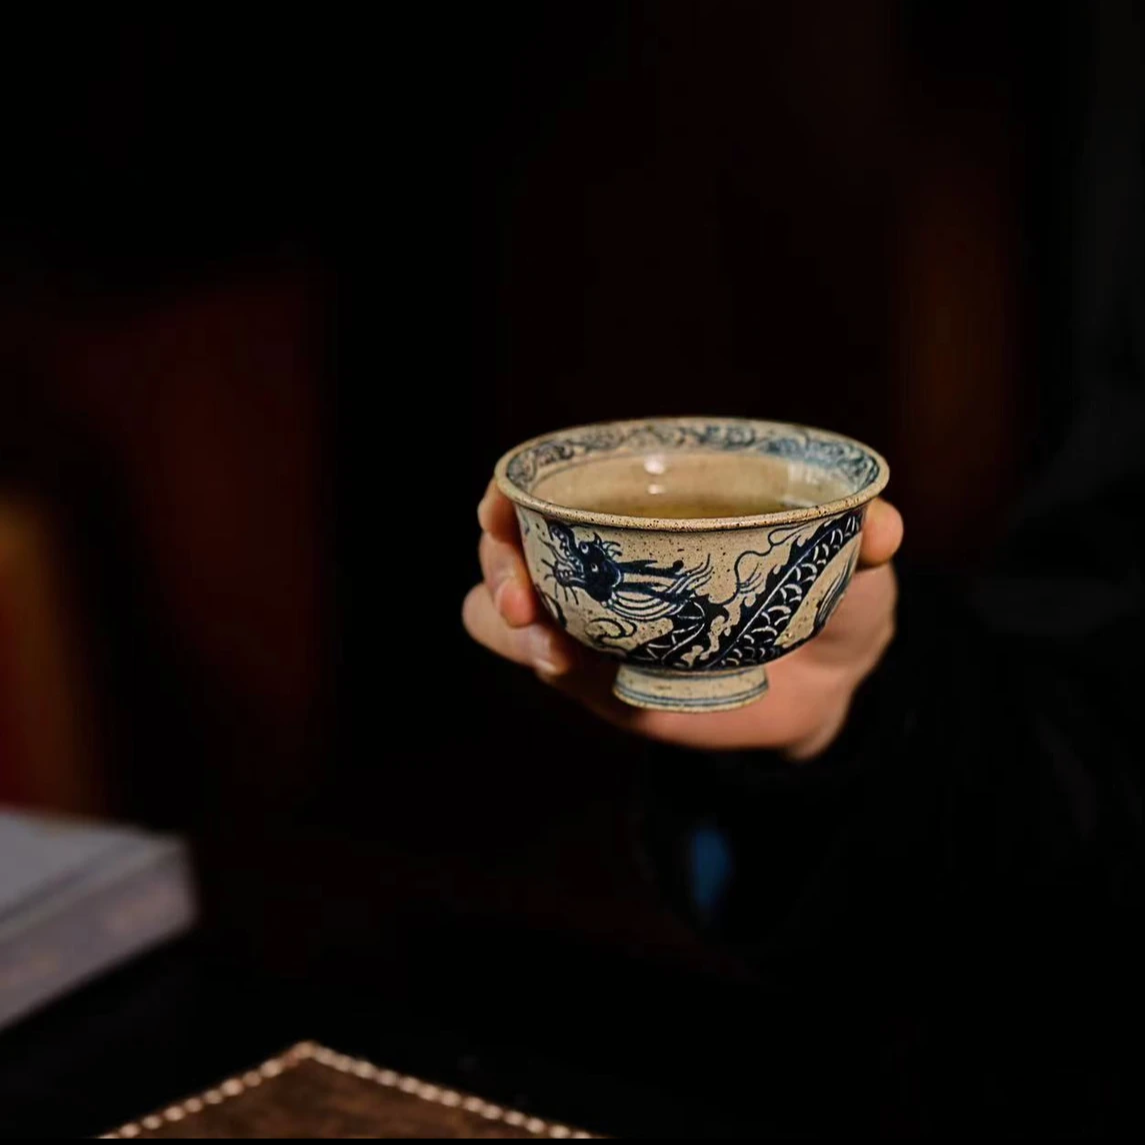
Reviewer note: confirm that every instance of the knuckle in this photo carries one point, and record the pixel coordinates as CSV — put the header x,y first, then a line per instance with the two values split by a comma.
x,y
492,559
470,607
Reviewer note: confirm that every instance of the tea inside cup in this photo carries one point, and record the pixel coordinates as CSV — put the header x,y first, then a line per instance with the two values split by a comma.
x,y
690,485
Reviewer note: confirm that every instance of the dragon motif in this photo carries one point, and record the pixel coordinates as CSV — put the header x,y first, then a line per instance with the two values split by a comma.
x,y
637,592
633,592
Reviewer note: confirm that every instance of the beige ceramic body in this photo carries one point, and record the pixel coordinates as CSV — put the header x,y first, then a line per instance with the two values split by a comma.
x,y
693,607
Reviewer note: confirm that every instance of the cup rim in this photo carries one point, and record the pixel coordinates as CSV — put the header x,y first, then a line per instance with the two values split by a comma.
x,y
526,500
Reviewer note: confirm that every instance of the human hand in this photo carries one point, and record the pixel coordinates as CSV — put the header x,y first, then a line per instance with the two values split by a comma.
x,y
811,688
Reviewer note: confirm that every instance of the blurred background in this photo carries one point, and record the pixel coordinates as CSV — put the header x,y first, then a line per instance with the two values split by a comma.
x,y
274,296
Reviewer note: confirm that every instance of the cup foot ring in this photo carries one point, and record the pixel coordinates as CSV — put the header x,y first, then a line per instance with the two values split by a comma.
x,y
689,691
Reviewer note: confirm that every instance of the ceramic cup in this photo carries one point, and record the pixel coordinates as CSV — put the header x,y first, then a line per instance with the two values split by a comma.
x,y
693,550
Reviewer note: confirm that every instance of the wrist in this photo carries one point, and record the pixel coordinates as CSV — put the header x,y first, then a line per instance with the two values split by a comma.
x,y
826,730
837,698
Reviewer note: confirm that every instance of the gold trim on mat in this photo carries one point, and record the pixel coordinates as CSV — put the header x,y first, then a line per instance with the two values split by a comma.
x,y
367,1071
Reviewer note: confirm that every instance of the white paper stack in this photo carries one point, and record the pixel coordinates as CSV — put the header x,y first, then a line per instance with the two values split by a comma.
x,y
77,899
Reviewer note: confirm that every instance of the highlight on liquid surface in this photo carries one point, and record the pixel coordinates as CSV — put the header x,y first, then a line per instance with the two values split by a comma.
x,y
686,505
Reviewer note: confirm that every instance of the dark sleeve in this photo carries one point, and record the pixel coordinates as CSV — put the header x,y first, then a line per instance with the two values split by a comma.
x,y
987,791
1024,682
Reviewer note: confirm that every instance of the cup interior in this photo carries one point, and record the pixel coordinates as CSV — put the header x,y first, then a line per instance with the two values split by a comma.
x,y
682,485
691,469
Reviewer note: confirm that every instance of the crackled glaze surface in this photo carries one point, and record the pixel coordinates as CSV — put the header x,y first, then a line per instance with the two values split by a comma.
x,y
694,607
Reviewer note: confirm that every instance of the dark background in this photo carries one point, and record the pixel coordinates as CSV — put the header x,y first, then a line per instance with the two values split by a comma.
x,y
275,297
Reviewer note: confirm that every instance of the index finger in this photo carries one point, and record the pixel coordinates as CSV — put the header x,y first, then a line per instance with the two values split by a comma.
x,y
497,516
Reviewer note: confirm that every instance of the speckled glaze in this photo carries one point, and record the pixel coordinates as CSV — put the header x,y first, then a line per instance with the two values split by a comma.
x,y
693,607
